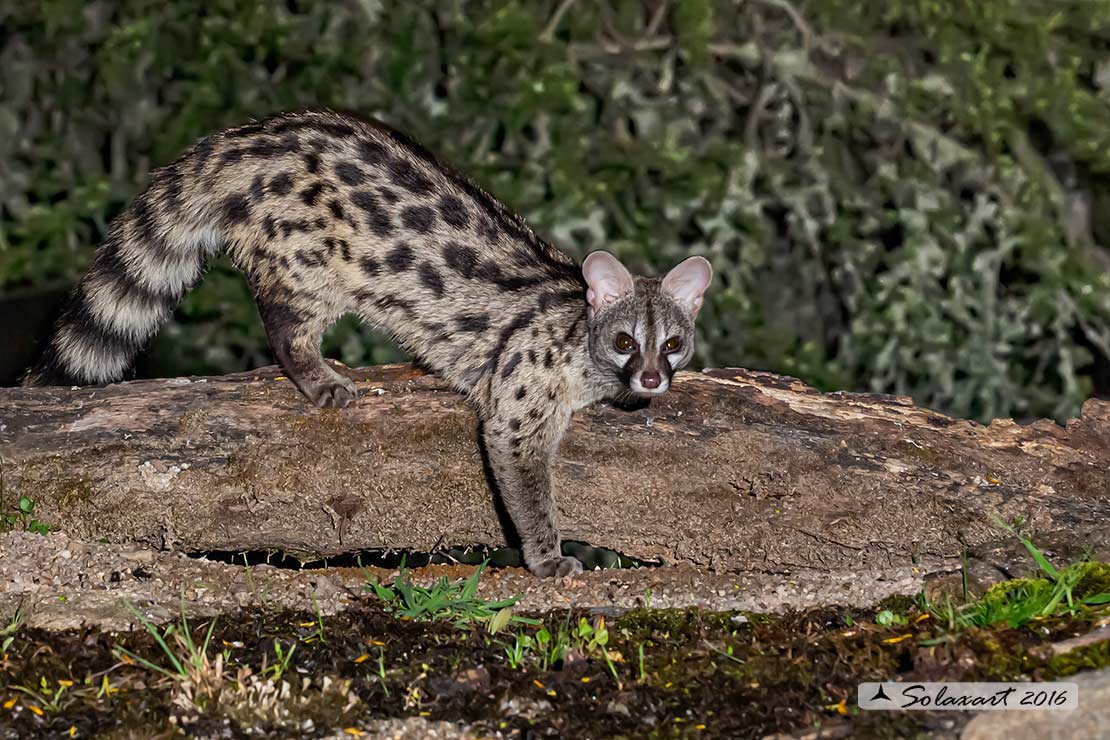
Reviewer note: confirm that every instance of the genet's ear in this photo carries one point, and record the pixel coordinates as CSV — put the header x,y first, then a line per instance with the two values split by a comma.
x,y
607,279
687,282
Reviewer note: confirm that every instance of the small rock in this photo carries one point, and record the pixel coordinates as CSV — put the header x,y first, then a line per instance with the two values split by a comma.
x,y
324,587
618,707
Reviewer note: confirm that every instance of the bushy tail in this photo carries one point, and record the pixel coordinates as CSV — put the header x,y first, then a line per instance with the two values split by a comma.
x,y
155,251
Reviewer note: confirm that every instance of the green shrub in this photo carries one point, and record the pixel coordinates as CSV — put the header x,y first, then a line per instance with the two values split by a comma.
x,y
890,201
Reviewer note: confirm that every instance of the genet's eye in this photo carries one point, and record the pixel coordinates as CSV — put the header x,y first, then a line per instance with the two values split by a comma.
x,y
674,344
624,343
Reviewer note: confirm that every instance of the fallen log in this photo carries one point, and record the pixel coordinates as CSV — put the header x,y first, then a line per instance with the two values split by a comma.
x,y
733,470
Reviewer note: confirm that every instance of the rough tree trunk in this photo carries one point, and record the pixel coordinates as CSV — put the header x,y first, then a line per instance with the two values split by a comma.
x,y
732,469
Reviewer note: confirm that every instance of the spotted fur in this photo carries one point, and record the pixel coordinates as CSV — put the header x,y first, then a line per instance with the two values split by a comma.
x,y
327,214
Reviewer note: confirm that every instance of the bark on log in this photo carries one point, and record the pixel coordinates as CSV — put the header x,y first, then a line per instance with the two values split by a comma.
x,y
732,469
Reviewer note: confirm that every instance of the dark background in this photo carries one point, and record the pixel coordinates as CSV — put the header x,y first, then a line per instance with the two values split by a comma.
x,y
907,197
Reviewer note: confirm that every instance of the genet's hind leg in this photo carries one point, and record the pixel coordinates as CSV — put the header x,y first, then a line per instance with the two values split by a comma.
x,y
295,339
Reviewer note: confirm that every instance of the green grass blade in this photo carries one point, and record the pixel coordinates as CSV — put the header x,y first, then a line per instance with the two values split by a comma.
x,y
1038,556
158,638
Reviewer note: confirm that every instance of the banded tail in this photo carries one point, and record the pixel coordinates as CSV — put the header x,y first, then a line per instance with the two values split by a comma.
x,y
156,250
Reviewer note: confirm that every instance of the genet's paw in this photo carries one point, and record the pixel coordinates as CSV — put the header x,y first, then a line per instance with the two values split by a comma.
x,y
559,567
334,393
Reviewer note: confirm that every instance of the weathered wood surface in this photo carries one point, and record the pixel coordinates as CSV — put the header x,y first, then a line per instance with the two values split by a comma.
x,y
732,469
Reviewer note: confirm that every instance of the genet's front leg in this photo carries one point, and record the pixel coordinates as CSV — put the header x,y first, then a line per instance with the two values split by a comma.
x,y
521,441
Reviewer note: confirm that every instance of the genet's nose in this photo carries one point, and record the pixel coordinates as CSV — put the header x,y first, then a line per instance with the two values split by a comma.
x,y
650,380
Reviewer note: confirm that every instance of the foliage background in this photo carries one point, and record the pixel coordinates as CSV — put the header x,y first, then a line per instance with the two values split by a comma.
x,y
906,197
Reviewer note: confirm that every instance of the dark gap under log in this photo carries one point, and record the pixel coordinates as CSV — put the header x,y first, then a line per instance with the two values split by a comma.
x,y
492,557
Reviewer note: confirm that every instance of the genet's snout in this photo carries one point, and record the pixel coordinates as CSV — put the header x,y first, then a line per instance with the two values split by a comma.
x,y
650,379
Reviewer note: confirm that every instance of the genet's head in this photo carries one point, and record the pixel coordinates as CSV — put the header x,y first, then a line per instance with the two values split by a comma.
x,y
642,329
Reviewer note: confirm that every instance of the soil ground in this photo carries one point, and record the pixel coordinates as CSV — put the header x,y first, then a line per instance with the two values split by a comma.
x,y
722,655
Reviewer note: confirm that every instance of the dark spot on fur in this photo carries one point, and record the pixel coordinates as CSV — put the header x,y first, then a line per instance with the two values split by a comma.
x,y
336,209
290,125
312,193
437,330
405,175
337,130
289,226
263,148
420,219
386,302
488,230
371,152
431,278
312,258
472,322
258,188
532,356
231,156
389,195
520,393
548,359
312,163
370,266
461,259
464,260
553,298
514,424
525,256
510,366
281,183
350,174
237,209
400,257
454,212
269,226
376,217
489,271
